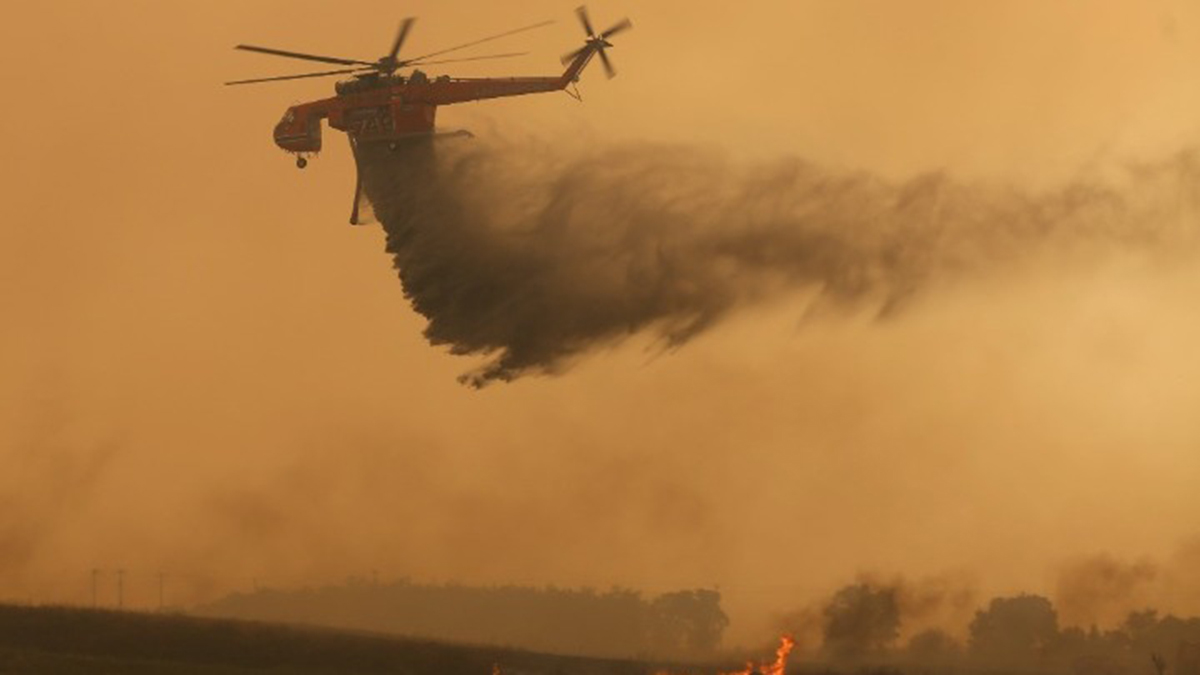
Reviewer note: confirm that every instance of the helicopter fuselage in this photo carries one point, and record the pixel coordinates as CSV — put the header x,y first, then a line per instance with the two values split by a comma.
x,y
391,108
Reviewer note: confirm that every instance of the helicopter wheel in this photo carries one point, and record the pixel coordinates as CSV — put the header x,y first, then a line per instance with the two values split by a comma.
x,y
301,162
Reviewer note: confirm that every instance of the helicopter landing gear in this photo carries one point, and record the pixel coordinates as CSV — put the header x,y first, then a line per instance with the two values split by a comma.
x,y
301,162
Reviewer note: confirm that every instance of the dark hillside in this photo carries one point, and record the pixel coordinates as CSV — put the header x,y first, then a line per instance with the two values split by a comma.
x,y
684,624
74,640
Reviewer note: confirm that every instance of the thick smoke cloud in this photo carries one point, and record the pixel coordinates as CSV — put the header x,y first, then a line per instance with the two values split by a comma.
x,y
533,258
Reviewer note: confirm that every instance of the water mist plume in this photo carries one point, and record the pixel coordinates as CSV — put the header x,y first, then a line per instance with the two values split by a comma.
x,y
533,259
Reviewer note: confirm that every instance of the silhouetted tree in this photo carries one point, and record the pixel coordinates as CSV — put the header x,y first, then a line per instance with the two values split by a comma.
x,y
687,622
932,646
1014,631
1139,627
860,621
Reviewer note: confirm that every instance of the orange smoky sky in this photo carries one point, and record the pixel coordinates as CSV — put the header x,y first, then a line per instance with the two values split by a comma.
x,y
204,372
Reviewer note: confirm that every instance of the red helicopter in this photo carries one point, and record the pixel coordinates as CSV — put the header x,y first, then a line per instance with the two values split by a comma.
x,y
381,105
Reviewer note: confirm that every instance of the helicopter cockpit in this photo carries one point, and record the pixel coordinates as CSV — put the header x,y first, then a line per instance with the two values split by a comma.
x,y
367,83
298,133
374,81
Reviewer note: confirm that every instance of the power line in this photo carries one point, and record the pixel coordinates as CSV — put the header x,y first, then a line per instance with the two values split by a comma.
x,y
95,576
120,588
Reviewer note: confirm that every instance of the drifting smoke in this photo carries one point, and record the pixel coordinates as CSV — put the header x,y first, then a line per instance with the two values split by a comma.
x,y
1101,589
872,616
48,478
534,259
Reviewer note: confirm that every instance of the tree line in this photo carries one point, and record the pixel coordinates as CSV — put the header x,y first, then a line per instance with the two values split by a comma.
x,y
861,625
618,622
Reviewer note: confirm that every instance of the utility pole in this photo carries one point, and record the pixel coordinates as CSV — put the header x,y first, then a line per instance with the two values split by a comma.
x,y
160,591
95,576
120,588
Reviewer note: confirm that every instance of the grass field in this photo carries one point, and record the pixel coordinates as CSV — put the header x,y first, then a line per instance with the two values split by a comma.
x,y
62,640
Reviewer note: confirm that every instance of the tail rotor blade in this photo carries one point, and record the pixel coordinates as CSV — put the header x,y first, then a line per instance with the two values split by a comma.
x,y
620,27
567,58
596,44
608,66
582,13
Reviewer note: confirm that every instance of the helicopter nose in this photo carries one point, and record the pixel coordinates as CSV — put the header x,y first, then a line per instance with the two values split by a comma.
x,y
298,135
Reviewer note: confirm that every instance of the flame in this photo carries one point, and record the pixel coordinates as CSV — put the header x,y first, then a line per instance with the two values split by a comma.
x,y
786,642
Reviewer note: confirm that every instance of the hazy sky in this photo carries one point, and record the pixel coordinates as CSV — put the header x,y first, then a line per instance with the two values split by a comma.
x,y
204,371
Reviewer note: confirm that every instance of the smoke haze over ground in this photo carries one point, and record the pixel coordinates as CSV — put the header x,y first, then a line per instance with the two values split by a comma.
x,y
980,217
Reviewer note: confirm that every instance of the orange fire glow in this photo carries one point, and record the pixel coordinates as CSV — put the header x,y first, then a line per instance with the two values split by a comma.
x,y
786,642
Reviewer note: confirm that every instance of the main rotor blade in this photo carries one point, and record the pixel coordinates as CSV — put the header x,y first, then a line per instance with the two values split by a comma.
x,y
307,57
400,37
478,42
472,58
619,27
300,77
582,13
608,66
